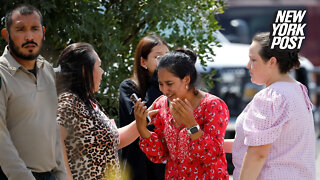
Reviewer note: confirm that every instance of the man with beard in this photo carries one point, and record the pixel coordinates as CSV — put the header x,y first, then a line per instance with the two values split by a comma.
x,y
29,138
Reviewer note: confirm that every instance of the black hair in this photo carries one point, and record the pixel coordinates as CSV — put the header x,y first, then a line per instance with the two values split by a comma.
x,y
181,63
23,9
287,59
76,62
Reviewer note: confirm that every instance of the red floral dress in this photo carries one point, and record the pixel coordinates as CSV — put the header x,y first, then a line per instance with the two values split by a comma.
x,y
203,158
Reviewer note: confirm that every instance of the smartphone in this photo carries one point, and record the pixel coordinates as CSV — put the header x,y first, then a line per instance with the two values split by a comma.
x,y
134,98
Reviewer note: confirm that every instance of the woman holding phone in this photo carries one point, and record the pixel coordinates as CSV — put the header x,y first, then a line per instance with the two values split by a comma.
x,y
190,125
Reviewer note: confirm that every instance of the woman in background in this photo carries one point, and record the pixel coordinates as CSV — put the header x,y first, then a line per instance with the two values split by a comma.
x,y
89,138
275,136
144,83
190,125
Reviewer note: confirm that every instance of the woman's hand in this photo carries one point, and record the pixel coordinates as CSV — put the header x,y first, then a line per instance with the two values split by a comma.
x,y
182,112
140,114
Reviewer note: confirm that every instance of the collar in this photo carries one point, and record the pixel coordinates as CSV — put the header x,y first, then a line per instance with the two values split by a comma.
x,y
13,65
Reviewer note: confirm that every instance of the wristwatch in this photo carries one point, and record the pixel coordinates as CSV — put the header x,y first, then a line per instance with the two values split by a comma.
x,y
193,129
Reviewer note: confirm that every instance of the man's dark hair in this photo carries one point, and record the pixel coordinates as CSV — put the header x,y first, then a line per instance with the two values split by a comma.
x,y
23,9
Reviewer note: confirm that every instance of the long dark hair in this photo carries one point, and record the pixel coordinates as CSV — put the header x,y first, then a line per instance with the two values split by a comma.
x,y
76,62
143,49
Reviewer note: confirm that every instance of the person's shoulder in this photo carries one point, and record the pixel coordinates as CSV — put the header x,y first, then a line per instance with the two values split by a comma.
x,y
3,63
161,101
2,59
68,96
0,80
4,71
212,99
47,66
3,66
274,91
42,59
46,63
128,83
273,97
6,59
128,87
283,87
161,98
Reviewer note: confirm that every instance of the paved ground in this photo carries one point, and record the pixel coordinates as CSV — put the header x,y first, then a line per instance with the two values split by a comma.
x,y
317,162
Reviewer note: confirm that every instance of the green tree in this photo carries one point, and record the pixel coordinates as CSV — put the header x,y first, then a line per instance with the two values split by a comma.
x,y
114,28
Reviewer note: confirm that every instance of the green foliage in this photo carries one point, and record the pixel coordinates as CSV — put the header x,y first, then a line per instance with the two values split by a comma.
x,y
114,28
209,79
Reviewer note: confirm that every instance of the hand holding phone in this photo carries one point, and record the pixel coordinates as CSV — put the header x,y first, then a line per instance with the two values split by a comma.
x,y
134,98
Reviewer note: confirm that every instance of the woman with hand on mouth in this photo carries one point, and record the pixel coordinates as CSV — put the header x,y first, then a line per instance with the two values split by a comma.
x,y
190,125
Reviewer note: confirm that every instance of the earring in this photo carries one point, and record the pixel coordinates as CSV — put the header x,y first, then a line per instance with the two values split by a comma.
x,y
187,87
146,67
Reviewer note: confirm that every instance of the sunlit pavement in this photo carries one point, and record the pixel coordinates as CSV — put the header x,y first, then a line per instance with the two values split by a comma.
x,y
317,161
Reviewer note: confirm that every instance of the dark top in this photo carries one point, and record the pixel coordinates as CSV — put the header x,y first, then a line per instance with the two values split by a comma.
x,y
153,91
134,159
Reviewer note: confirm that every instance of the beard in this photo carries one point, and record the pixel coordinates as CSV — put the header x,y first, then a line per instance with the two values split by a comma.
x,y
15,50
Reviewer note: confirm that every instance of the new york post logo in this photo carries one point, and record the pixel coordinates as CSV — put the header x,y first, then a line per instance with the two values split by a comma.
x,y
287,29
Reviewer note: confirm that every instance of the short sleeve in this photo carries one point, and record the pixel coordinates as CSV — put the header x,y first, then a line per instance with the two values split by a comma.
x,y
267,114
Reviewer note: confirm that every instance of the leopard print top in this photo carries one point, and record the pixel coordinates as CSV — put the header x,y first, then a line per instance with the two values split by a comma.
x,y
92,141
